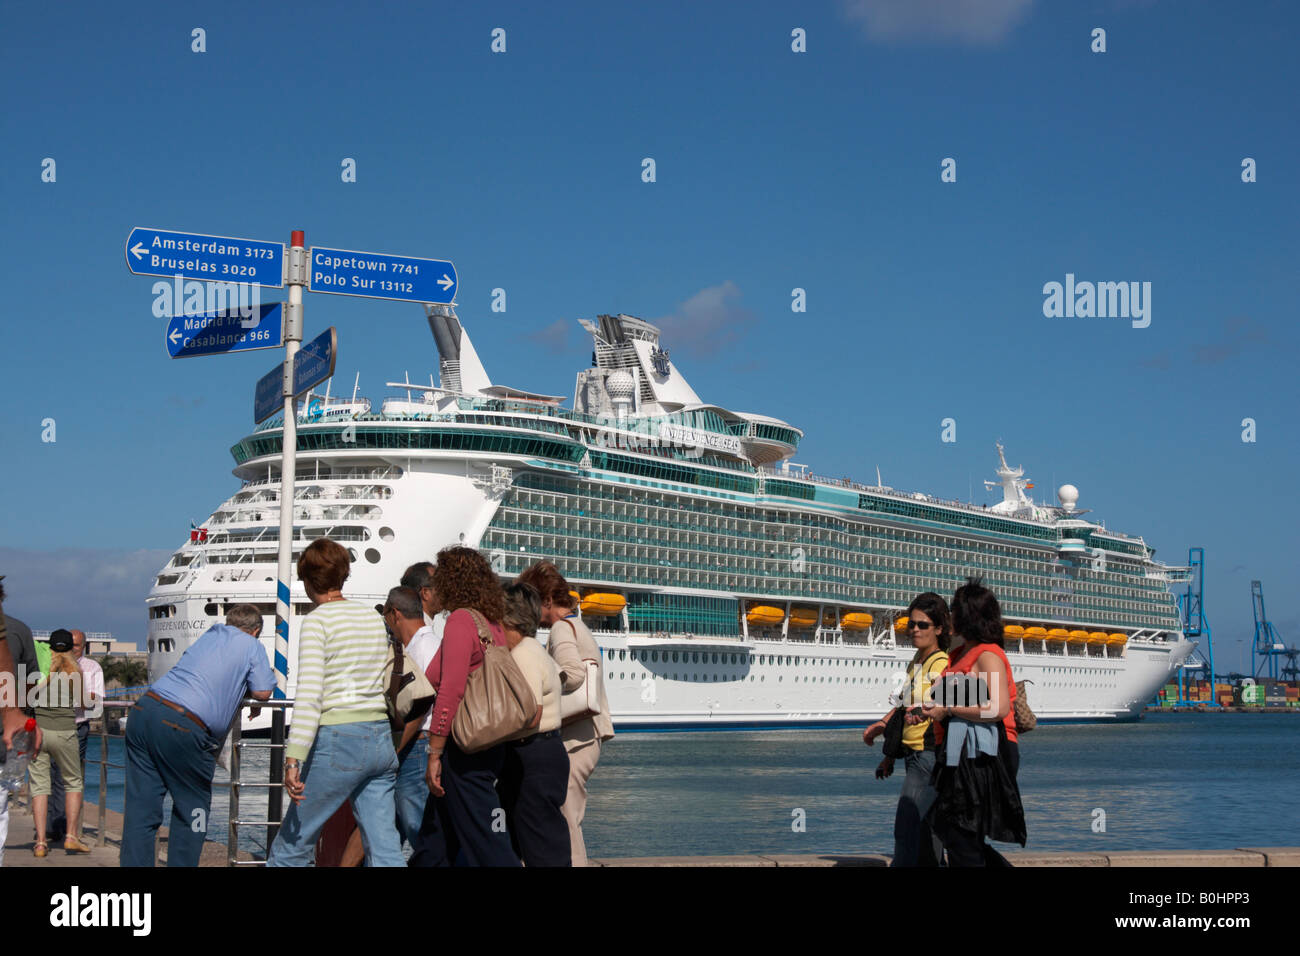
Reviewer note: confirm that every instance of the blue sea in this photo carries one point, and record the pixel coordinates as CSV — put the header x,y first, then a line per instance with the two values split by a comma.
x,y
1169,781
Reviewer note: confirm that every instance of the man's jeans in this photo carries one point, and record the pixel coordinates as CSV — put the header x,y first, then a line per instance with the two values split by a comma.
x,y
914,842
57,828
412,791
166,752
353,762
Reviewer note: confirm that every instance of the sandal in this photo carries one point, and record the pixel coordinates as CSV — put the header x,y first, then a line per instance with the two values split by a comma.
x,y
73,845
40,849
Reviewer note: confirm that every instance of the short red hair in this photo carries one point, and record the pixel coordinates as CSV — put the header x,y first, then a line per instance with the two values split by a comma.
x,y
324,566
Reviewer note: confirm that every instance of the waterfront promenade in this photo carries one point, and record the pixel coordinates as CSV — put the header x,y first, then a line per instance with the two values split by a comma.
x,y
18,853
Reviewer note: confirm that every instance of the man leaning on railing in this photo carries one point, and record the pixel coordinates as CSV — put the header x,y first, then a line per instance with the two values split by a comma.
x,y
176,730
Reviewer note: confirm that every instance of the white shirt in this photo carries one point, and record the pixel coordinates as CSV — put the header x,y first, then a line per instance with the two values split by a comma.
x,y
424,644
438,622
92,684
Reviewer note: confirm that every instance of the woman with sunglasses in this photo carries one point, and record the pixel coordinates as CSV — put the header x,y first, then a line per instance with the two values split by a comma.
x,y
929,626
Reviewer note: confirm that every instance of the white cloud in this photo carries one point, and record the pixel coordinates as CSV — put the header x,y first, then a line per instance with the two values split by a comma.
x,y
707,322
86,588
964,22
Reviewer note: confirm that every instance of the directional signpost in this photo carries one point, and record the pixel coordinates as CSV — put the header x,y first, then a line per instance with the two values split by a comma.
x,y
373,275
312,365
215,333
158,252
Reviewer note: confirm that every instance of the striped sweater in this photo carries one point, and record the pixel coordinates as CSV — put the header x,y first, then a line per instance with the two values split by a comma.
x,y
342,650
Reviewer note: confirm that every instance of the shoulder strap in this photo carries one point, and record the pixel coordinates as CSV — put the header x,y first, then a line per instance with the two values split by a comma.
x,y
480,622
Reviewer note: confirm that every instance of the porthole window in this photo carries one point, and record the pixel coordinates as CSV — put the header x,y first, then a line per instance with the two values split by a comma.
x,y
385,534
210,609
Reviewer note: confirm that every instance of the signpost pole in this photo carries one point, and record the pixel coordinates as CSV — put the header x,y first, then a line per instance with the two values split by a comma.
x,y
297,279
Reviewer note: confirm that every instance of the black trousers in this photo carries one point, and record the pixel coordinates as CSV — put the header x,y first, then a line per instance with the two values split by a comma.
x,y
967,849
471,808
533,787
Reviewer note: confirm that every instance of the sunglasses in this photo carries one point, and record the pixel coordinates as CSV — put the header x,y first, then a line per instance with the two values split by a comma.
x,y
920,625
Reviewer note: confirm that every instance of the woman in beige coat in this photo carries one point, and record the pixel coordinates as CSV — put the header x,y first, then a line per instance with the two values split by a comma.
x,y
571,645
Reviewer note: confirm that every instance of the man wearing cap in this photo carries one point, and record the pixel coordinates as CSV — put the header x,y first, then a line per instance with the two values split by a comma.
x,y
92,689
175,731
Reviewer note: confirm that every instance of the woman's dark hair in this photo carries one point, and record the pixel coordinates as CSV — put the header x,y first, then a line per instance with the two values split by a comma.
x,y
936,609
549,582
463,578
976,614
324,566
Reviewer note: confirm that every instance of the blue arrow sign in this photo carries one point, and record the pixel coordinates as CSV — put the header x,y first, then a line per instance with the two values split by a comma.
x,y
373,275
215,333
267,399
312,364
157,252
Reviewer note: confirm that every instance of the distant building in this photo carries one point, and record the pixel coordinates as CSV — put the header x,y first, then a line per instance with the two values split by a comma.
x,y
98,643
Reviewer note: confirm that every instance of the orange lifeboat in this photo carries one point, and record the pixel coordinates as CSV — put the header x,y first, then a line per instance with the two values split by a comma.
x,y
1058,634
764,615
1013,630
900,623
802,617
856,621
599,604
1078,637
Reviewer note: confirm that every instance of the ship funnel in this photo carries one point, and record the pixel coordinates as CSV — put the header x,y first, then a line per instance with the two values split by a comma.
x,y
459,367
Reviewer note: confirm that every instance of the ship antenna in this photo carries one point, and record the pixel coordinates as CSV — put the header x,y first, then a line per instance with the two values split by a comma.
x,y
356,385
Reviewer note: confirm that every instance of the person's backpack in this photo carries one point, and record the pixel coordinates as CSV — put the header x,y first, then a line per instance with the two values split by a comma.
x,y
408,695
498,703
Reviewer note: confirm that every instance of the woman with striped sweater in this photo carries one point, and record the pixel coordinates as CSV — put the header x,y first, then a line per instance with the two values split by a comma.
x,y
340,745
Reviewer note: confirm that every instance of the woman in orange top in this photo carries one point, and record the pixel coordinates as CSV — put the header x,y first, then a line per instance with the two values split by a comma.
x,y
978,796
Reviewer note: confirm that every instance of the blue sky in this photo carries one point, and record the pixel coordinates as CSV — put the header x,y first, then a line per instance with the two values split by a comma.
x,y
775,170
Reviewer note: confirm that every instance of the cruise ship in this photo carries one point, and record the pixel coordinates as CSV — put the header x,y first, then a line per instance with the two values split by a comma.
x,y
727,585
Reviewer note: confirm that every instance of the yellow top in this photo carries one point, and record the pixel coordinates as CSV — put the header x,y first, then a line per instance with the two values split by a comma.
x,y
921,677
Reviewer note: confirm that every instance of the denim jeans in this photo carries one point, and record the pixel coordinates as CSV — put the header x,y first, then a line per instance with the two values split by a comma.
x,y
353,762
412,791
914,842
166,752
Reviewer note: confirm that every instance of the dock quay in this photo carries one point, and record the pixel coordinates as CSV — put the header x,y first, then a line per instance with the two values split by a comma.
x,y
18,853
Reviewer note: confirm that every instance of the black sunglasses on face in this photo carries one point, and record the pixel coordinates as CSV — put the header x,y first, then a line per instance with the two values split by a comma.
x,y
920,625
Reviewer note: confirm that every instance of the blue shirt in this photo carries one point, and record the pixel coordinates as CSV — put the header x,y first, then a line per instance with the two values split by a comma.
x,y
215,673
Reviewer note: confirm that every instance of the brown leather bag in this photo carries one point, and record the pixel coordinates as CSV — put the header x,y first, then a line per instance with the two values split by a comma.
x,y
1025,719
498,703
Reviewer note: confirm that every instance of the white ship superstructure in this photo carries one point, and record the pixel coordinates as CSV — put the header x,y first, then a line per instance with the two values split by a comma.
x,y
727,586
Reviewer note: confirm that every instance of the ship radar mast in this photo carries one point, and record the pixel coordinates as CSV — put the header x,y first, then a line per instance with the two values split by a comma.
x,y
1014,500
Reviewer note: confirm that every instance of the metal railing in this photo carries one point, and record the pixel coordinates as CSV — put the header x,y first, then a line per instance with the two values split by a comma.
x,y
101,829
237,745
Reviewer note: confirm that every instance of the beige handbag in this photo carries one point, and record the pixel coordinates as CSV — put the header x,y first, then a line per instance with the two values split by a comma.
x,y
498,703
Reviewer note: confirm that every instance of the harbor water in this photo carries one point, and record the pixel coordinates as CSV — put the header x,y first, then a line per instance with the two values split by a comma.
x,y
1169,781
